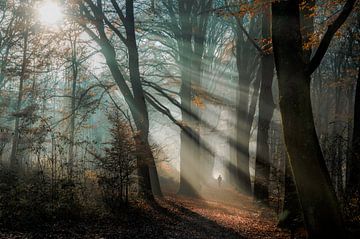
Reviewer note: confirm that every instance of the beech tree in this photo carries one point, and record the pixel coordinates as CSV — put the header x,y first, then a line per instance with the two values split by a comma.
x,y
188,21
247,53
95,15
322,214
266,110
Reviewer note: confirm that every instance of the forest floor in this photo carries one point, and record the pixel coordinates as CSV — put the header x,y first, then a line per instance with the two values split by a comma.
x,y
223,214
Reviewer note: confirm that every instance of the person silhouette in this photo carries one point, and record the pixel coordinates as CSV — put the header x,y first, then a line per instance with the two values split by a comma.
x,y
219,179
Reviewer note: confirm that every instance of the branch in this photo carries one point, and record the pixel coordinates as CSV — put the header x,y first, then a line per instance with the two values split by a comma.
x,y
253,42
189,131
118,11
325,42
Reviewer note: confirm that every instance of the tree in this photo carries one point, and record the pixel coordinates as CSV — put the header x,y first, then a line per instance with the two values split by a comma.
x,y
95,16
353,166
189,20
23,75
8,36
73,81
266,110
118,164
322,214
246,53
353,162
26,22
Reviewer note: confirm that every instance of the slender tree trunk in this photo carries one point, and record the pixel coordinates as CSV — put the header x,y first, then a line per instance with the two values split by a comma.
x,y
266,110
4,62
74,67
14,161
322,214
337,156
353,165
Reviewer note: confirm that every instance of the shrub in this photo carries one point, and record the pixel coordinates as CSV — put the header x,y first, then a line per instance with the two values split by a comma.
x,y
29,200
118,164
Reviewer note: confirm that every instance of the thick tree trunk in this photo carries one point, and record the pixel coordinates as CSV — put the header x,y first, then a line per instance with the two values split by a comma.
x,y
142,119
193,20
322,214
243,119
134,97
207,161
189,146
266,110
244,114
147,179
230,165
189,167
292,217
189,151
243,133
145,159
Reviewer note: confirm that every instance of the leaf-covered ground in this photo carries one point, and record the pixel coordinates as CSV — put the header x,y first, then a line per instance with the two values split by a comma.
x,y
223,214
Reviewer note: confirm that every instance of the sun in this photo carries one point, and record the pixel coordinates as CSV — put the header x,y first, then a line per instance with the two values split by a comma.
x,y
50,13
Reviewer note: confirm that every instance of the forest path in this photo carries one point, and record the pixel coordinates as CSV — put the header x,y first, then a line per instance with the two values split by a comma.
x,y
233,214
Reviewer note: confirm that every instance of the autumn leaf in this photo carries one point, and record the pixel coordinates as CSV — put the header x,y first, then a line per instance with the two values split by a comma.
x,y
198,102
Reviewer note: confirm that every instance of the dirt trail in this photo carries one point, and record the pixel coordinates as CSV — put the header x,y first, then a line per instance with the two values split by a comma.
x,y
230,211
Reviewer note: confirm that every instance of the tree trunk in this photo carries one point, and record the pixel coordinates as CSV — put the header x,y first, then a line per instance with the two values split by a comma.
x,y
292,217
189,167
189,151
193,20
142,119
353,165
266,110
14,161
134,97
322,214
243,131
244,114
74,67
145,157
243,126
144,163
230,165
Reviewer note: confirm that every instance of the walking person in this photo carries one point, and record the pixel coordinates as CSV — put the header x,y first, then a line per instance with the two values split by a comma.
x,y
219,179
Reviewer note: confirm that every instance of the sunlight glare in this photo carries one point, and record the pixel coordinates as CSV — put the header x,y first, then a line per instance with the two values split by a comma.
x,y
50,13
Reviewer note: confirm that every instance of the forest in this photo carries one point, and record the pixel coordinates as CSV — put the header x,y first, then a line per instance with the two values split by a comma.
x,y
180,119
